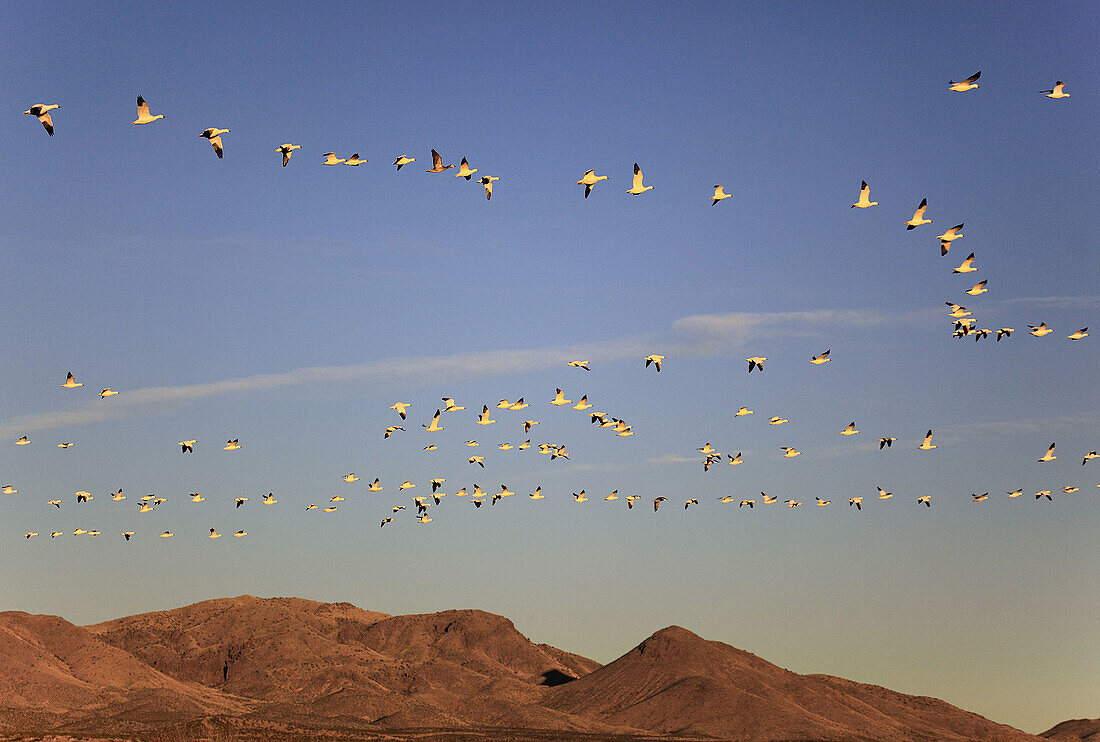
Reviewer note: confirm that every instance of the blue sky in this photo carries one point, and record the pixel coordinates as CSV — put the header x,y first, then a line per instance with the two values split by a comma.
x,y
138,260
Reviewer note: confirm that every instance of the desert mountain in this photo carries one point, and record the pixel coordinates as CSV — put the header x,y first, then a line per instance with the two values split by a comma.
x,y
677,683
51,671
1075,730
290,668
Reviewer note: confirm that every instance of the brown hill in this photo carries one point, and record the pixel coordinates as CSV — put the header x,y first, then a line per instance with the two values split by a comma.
x,y
453,669
1075,730
52,672
677,683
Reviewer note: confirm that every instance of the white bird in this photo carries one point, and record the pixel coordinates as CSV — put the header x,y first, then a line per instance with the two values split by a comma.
x,y
42,112
655,360
734,460
968,84
637,188
918,216
590,179
756,362
239,501
792,503
143,113
214,134
1088,456
354,160
332,159
286,150
401,161
823,358
857,501
232,445
966,266
579,364
1056,91
23,441
948,237
850,430
864,201
1049,455
1041,330
9,489
351,478
1082,333
486,417
978,289
197,497
434,427
464,170
214,534
269,499
927,444
390,430
789,452
885,442
71,382
776,420
401,407
744,411
107,392
487,181
1005,332
450,406
768,500
926,500
719,194
822,503
187,446
883,494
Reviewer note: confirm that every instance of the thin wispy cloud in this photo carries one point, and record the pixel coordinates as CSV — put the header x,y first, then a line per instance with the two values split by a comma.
x,y
698,335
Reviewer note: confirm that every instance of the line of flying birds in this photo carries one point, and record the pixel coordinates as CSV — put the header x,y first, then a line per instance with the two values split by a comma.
x,y
213,134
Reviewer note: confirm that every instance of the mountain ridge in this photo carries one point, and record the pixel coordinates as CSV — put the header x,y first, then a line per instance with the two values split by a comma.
x,y
257,665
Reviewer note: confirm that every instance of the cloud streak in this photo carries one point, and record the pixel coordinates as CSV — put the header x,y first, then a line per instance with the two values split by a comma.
x,y
694,336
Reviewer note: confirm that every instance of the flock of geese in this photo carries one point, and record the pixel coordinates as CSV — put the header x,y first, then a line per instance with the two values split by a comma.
x,y
213,134
477,496
964,326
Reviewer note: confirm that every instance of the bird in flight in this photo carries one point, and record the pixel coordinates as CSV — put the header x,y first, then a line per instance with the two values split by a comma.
x,y
187,446
390,430
354,161
42,112
232,445
857,501
744,411
401,407
885,442
1049,455
778,420
1056,91
657,503
655,360
487,181
286,150
450,406
883,494
948,237
637,188
331,159
143,113
401,161
1041,330
108,392
978,289
820,359
918,216
926,500
1082,333
579,364
486,417
967,265
214,134
927,444
434,426
789,452
864,201
850,430
590,179
968,84
437,164
719,194
71,382
756,362
23,441
464,170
